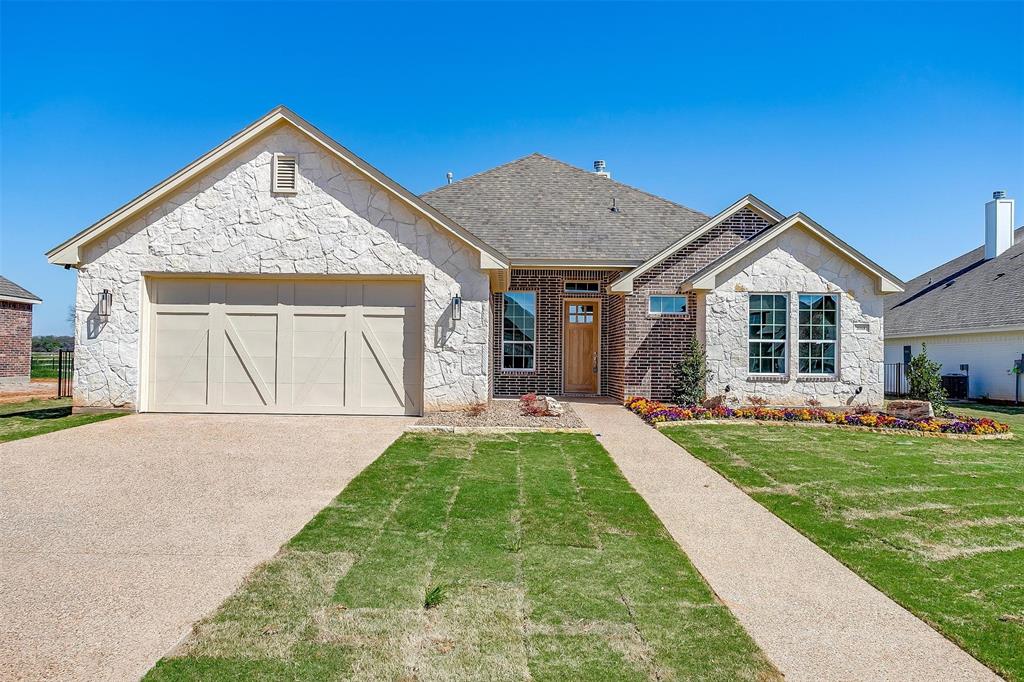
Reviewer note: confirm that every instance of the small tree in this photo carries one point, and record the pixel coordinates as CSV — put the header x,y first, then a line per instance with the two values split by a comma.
x,y
924,380
690,376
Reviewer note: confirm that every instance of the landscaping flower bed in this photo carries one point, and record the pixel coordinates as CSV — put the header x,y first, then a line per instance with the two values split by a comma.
x,y
654,412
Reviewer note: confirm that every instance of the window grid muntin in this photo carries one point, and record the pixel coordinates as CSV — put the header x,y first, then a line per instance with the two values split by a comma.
x,y
818,332
767,333
519,330
581,313
668,304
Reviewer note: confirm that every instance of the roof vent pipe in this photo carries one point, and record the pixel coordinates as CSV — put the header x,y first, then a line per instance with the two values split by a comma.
x,y
599,169
999,222
448,176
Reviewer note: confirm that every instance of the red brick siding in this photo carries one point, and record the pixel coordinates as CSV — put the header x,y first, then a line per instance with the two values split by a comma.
x,y
653,345
15,339
546,377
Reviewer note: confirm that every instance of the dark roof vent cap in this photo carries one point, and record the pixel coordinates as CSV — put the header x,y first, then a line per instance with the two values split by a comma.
x,y
998,194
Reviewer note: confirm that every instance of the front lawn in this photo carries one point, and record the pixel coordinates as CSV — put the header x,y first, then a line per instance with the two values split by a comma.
x,y
21,420
508,557
937,525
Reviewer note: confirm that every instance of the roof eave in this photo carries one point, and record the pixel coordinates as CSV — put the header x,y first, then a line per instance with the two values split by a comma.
x,y
20,299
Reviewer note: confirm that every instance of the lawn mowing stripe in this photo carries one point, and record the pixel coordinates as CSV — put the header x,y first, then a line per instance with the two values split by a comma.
x,y
512,609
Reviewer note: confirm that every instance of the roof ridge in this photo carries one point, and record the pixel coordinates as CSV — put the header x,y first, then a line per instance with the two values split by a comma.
x,y
618,182
577,169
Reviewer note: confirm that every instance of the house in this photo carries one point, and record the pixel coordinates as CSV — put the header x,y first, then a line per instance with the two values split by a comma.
x,y
280,272
15,332
969,311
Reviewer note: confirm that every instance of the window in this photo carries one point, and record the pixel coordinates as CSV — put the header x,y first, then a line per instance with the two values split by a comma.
x,y
582,287
666,305
818,329
907,355
766,333
581,313
519,325
285,174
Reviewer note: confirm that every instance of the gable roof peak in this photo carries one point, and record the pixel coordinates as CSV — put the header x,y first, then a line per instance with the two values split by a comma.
x,y
69,252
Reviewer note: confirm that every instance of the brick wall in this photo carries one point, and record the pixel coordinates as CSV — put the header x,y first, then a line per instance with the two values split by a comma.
x,y
546,377
653,345
15,341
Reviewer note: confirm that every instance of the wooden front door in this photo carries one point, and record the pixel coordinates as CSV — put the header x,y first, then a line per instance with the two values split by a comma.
x,y
582,352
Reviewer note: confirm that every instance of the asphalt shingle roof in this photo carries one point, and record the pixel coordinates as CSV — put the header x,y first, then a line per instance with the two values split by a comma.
x,y
968,292
10,289
539,207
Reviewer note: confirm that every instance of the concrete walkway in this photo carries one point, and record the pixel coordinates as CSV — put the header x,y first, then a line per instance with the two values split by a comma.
x,y
813,617
116,537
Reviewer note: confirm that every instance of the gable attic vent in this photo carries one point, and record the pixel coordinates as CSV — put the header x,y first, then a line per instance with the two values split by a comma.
x,y
285,174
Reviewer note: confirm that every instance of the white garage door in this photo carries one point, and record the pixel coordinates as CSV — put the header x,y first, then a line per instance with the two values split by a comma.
x,y
285,346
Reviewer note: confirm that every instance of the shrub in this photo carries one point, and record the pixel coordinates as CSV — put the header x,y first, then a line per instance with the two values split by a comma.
x,y
924,380
690,376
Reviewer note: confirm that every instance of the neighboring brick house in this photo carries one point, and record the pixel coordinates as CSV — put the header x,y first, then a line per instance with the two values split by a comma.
x,y
15,332
280,272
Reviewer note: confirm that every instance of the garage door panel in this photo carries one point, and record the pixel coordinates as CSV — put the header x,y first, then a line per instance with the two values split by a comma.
x,y
305,346
181,357
310,293
391,294
318,360
183,292
251,292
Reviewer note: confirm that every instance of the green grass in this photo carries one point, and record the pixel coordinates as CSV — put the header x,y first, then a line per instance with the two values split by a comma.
x,y
32,418
936,524
506,557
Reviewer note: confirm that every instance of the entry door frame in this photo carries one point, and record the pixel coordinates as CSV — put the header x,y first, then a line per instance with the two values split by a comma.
x,y
566,302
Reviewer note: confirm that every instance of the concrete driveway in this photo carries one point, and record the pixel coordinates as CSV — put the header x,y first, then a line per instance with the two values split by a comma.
x,y
115,537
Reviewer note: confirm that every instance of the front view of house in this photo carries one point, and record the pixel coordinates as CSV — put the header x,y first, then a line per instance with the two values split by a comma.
x,y
281,273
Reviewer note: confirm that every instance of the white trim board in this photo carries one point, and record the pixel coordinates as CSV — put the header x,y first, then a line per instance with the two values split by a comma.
x,y
69,252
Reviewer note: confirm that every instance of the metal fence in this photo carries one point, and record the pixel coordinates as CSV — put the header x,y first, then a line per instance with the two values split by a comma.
x,y
895,380
65,373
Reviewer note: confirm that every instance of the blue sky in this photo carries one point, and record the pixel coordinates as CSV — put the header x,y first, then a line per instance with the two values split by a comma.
x,y
890,124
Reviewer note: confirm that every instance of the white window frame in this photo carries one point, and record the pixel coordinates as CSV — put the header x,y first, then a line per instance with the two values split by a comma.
x,y
531,344
834,342
785,342
652,313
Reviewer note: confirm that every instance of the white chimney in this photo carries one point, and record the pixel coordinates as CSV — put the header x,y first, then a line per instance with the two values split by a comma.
x,y
600,169
998,224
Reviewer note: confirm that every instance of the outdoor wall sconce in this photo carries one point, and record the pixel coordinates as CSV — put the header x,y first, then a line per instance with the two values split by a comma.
x,y
103,305
456,308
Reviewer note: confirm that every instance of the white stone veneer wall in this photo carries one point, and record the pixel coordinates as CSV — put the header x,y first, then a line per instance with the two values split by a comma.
x,y
796,263
339,223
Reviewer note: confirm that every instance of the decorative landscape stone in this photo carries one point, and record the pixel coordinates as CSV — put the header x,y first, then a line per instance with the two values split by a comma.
x,y
910,409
